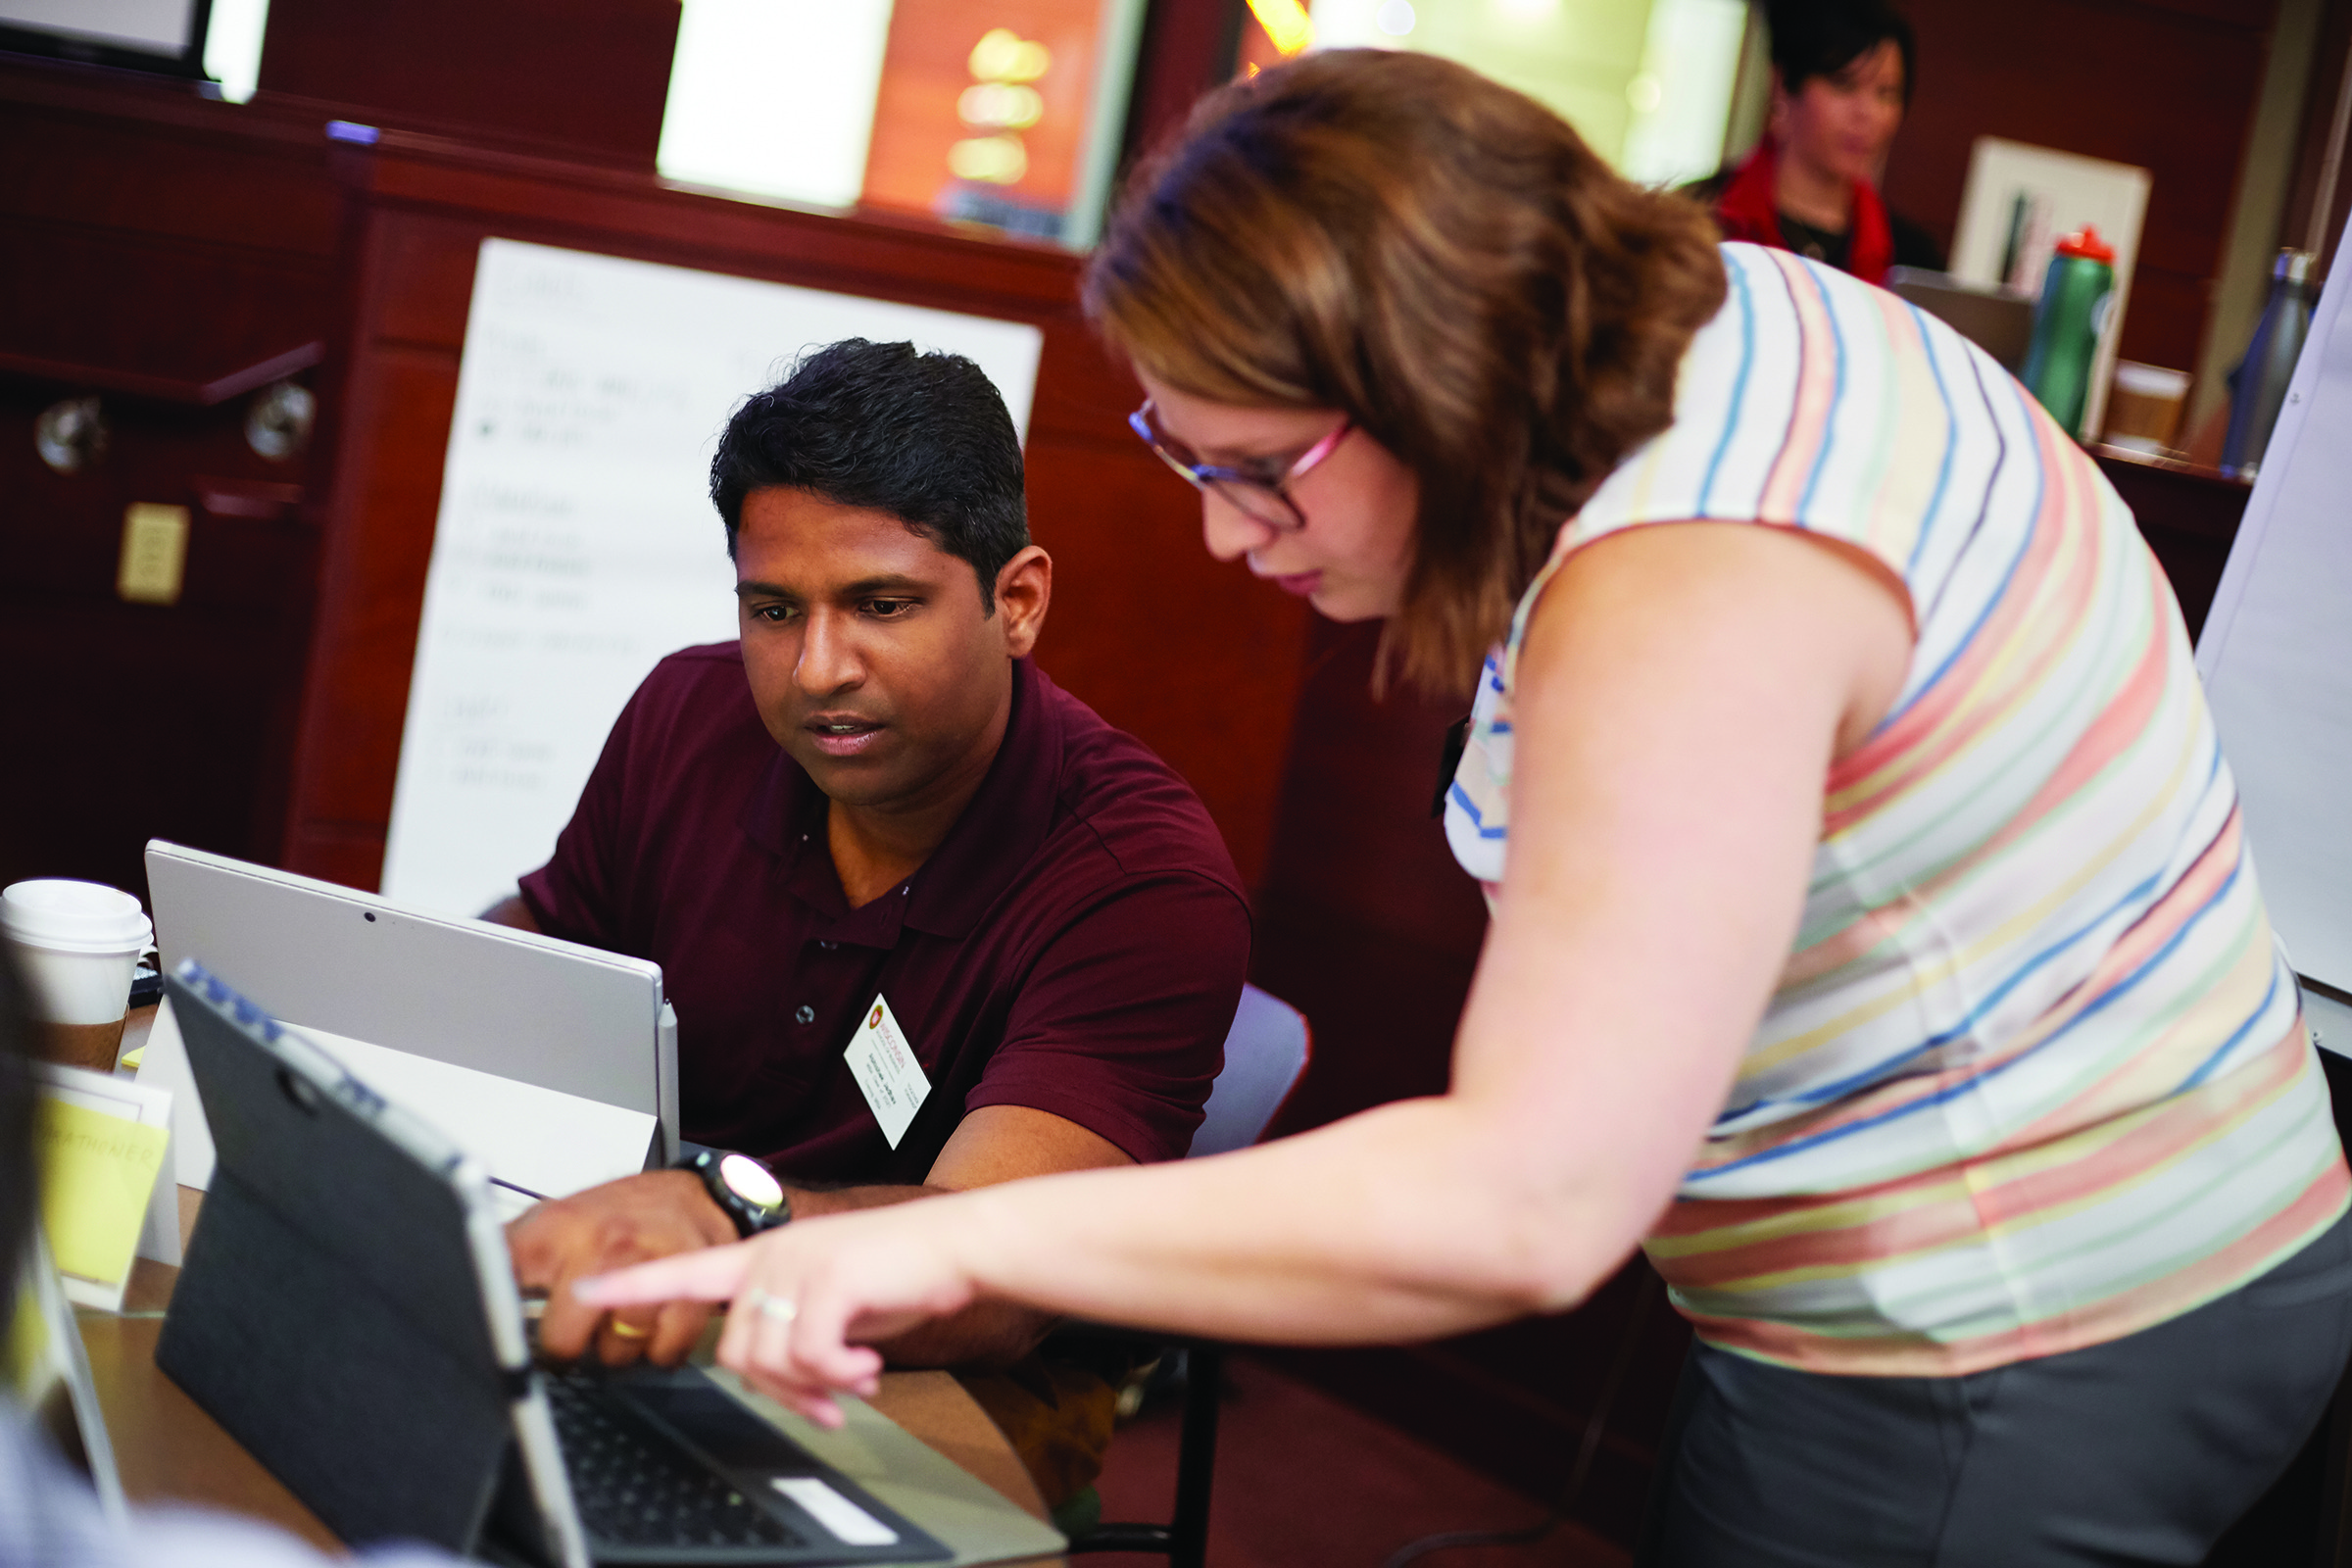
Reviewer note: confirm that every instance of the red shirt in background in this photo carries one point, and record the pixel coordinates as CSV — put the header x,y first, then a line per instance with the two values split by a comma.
x,y
1076,944
1748,208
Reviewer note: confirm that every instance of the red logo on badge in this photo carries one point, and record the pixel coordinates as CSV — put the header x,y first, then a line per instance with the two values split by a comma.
x,y
875,1023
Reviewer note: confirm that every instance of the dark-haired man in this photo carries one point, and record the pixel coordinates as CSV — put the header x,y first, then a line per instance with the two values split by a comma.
x,y
873,824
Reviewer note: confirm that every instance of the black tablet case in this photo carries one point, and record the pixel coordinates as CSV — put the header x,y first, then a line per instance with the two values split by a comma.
x,y
343,1343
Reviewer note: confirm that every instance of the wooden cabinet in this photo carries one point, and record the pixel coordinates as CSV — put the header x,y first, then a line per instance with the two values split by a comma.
x,y
171,258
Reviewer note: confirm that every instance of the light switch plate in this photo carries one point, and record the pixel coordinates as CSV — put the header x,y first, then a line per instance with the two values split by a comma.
x,y
155,554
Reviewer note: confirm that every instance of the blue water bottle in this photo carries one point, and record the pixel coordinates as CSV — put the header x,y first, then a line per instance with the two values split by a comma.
x,y
2260,386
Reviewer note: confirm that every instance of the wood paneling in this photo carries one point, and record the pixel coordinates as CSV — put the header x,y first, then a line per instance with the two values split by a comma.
x,y
2188,517
1515,1401
2329,67
139,721
2166,84
204,317
387,490
1368,926
179,241
155,249
1188,47
1193,658
2165,322
119,152
590,83
1159,638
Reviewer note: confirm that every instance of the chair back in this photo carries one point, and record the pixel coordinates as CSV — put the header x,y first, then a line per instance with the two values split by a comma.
x,y
1266,1053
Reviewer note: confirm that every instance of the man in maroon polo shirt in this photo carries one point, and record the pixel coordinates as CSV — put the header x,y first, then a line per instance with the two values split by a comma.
x,y
871,808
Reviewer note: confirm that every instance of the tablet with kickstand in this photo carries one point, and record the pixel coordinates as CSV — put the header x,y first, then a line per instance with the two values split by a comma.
x,y
347,1311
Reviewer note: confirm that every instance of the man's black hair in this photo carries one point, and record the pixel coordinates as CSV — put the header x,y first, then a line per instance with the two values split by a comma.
x,y
884,428
17,1173
1822,37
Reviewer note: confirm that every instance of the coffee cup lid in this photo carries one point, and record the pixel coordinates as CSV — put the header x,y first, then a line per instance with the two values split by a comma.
x,y
69,916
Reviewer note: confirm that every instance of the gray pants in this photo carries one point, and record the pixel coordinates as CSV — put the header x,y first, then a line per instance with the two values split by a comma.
x,y
2142,1451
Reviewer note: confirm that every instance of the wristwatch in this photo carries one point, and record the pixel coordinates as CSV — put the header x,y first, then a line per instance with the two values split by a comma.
x,y
742,1188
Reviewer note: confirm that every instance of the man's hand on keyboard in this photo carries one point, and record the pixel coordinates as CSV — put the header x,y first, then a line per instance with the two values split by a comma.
x,y
628,1221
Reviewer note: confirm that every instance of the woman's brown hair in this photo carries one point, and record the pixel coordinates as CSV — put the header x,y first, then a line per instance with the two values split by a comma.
x,y
1443,260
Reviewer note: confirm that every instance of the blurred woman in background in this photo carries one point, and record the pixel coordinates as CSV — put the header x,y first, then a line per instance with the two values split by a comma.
x,y
1843,75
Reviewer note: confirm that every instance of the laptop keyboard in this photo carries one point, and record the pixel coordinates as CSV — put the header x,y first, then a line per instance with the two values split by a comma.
x,y
635,1487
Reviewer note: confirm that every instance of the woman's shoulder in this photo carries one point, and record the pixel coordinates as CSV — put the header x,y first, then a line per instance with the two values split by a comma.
x,y
1786,316
1812,401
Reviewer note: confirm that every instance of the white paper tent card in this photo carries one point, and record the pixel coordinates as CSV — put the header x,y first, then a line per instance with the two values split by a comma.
x,y
104,1145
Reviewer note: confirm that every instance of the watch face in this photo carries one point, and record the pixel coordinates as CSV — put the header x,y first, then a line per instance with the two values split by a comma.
x,y
749,1181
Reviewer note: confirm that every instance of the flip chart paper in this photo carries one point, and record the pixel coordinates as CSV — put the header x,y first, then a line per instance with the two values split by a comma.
x,y
2276,656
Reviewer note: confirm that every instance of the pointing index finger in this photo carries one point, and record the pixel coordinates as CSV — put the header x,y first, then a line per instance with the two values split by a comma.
x,y
712,1274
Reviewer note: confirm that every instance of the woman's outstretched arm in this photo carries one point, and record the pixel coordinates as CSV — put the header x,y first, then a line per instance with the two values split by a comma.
x,y
1680,695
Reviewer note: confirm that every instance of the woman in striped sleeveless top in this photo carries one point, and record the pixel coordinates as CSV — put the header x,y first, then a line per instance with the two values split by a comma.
x,y
1874,937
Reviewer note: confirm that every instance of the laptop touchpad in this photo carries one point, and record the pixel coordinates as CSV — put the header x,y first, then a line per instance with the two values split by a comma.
x,y
716,1423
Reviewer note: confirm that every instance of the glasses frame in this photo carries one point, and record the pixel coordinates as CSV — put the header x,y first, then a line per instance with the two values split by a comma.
x,y
1253,497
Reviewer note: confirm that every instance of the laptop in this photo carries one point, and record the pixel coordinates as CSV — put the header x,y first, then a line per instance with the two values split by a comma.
x,y
467,992
347,1311
1999,320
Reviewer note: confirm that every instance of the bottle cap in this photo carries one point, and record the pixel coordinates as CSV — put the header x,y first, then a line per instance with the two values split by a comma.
x,y
2293,265
2086,243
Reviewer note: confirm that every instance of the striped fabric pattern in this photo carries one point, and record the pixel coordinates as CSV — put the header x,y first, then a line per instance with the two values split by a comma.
x,y
2035,1075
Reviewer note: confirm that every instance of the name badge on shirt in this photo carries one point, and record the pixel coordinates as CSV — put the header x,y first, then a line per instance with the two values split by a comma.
x,y
887,1073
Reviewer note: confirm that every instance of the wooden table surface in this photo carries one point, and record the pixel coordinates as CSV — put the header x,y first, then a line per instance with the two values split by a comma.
x,y
169,1450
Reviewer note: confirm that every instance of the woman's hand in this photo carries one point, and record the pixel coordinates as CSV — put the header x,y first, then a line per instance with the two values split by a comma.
x,y
806,1297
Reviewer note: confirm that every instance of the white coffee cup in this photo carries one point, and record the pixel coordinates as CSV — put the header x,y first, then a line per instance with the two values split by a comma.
x,y
77,944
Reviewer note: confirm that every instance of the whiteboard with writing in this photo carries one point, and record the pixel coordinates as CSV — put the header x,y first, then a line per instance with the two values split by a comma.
x,y
577,543
2276,654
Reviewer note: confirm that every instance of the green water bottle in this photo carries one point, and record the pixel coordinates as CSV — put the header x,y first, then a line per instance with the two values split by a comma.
x,y
2077,293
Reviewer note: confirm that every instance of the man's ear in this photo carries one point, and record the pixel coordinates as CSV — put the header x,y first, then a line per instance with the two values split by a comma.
x,y
1776,121
1024,589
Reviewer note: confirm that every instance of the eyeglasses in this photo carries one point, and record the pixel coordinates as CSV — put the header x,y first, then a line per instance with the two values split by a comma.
x,y
1255,496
